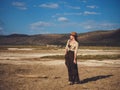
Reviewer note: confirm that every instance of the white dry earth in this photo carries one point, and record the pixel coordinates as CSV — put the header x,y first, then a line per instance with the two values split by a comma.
x,y
23,58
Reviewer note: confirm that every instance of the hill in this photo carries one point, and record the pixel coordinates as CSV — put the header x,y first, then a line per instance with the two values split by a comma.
x,y
95,38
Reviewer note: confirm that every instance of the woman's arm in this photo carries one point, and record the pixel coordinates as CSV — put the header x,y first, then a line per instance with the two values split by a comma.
x,y
66,48
75,53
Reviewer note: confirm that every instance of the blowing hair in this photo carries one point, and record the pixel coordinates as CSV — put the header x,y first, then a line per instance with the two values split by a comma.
x,y
76,38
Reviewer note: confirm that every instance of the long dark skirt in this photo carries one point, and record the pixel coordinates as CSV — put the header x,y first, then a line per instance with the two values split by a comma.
x,y
72,67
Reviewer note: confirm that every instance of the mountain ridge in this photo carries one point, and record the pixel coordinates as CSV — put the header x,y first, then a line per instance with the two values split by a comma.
x,y
94,38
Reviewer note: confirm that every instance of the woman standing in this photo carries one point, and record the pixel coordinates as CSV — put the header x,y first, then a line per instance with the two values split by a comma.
x,y
71,59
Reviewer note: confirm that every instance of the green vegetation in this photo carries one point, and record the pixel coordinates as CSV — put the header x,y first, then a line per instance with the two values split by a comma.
x,y
88,57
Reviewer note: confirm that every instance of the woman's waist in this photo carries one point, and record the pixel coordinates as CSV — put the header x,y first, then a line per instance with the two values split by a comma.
x,y
70,51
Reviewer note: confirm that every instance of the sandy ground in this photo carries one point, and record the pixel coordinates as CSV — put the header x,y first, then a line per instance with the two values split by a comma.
x,y
21,71
15,53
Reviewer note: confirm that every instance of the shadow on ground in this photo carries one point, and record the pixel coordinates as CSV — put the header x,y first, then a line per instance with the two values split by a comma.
x,y
95,78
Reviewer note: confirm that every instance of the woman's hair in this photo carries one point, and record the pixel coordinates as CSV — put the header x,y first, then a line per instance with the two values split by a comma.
x,y
76,38
74,34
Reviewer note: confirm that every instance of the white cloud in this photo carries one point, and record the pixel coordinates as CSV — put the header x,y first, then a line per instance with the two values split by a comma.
x,y
73,13
40,25
76,14
20,5
49,5
1,27
90,13
92,25
73,7
110,25
66,14
88,27
63,19
92,6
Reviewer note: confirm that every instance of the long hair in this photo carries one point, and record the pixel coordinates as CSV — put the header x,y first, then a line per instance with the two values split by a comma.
x,y
76,38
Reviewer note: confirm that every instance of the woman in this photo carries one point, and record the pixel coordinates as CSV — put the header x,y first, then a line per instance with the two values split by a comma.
x,y
71,59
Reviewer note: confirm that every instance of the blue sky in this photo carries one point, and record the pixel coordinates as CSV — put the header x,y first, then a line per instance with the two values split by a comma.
x,y
58,16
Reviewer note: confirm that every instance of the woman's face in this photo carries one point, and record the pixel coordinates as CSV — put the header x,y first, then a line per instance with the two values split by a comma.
x,y
71,37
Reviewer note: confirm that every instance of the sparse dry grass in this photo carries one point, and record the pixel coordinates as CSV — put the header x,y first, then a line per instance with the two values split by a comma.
x,y
4,47
38,76
88,57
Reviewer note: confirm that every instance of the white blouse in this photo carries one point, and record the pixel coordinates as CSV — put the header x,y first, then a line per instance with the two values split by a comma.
x,y
72,46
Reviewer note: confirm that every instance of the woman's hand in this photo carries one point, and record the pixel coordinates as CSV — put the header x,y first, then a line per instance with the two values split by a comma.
x,y
75,61
65,54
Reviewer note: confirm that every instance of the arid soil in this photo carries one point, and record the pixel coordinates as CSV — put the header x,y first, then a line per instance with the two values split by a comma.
x,y
25,70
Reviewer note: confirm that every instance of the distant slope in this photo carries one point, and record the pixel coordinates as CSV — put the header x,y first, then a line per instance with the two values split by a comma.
x,y
106,38
96,38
